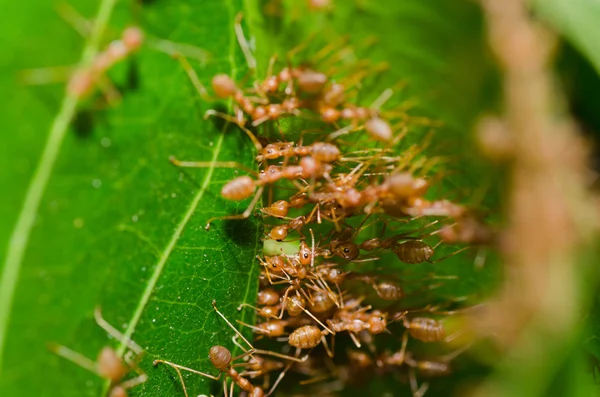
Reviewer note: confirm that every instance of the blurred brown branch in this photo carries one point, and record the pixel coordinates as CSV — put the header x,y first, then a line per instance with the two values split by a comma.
x,y
550,212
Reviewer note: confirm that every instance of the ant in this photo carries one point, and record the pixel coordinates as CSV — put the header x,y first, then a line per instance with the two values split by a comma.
x,y
109,365
221,358
83,80
243,187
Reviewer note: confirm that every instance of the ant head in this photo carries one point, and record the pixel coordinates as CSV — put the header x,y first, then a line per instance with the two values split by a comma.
x,y
220,357
270,152
279,208
304,254
278,232
347,250
377,322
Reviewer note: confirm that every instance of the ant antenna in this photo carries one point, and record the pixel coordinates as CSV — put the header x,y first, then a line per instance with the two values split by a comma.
x,y
74,357
214,303
112,331
239,33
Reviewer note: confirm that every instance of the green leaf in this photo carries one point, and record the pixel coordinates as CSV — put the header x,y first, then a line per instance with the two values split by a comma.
x,y
577,21
119,226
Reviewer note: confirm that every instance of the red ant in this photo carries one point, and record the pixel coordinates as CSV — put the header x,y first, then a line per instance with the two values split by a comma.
x,y
109,364
222,360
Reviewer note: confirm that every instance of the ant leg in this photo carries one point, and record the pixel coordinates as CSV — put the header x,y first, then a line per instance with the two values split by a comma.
x,y
214,304
280,377
132,360
102,323
230,388
74,357
342,131
355,340
414,386
246,214
403,348
283,299
326,346
111,93
245,47
177,367
319,322
279,355
193,76
48,75
138,380
312,248
180,379
236,121
206,164
71,16
257,309
382,99
253,327
450,255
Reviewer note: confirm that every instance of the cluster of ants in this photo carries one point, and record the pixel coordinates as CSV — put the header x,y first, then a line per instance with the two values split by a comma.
x,y
362,203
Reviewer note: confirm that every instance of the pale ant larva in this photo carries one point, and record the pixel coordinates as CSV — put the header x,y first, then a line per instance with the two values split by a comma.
x,y
221,358
109,365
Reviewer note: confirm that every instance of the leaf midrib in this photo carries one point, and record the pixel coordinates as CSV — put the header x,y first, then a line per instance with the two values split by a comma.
x,y
19,239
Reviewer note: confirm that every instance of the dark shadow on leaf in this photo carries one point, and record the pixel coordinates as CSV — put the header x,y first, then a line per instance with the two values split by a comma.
x,y
242,232
83,123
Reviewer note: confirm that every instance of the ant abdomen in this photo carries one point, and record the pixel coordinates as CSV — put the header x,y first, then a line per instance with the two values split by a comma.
x,y
110,365
239,188
379,129
413,251
387,290
325,152
271,328
404,185
305,337
224,86
426,329
268,297
311,82
220,357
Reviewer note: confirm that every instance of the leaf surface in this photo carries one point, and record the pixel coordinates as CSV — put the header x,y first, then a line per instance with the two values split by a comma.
x,y
122,228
